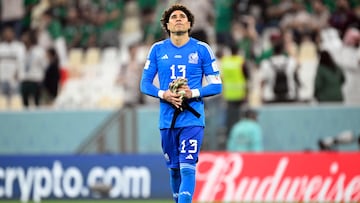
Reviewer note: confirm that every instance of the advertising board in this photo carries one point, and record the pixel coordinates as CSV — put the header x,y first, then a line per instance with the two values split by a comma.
x,y
33,178
278,177
221,177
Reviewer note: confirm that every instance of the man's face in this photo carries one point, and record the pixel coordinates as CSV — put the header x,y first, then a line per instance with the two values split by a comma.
x,y
8,34
178,22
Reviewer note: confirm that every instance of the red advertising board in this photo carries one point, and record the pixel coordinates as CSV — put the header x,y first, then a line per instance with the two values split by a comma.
x,y
284,177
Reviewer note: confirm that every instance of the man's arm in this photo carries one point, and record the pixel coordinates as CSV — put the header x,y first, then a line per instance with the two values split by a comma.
x,y
213,87
211,72
149,72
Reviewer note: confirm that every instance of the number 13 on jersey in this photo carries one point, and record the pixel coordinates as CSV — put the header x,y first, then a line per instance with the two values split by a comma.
x,y
178,69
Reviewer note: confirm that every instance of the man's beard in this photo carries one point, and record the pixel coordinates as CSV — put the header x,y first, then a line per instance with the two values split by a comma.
x,y
179,33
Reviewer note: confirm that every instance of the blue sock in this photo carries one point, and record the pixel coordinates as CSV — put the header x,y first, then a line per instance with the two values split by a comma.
x,y
175,180
187,185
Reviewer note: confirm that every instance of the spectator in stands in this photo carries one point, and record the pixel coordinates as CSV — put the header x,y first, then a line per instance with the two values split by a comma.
x,y
347,56
275,10
245,36
278,76
129,78
204,19
51,80
269,38
11,15
307,56
148,17
343,17
298,20
329,80
32,73
109,20
11,61
291,48
51,24
87,25
29,9
154,31
320,15
246,135
224,10
72,29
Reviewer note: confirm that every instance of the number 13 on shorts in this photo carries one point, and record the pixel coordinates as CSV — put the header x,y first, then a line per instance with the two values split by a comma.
x,y
192,145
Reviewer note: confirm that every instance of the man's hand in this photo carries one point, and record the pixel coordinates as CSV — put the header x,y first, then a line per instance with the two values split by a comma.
x,y
185,91
173,98
178,91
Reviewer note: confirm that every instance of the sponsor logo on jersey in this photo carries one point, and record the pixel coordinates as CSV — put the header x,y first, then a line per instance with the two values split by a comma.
x,y
165,57
178,56
189,157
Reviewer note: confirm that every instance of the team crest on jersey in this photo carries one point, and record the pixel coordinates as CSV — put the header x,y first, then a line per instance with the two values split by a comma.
x,y
193,58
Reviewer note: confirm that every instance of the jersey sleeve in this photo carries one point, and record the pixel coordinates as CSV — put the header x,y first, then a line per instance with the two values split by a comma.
x,y
211,72
150,70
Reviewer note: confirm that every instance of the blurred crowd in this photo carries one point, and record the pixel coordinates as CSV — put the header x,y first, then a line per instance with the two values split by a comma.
x,y
90,53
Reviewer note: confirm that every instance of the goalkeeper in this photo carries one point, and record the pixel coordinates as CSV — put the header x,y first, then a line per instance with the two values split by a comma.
x,y
181,62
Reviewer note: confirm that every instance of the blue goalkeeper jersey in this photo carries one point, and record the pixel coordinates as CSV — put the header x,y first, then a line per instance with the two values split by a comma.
x,y
194,61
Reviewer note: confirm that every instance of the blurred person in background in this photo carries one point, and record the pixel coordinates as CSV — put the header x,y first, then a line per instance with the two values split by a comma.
x,y
347,56
12,14
73,28
12,54
182,116
224,10
343,17
278,76
298,20
204,19
276,10
51,24
246,37
51,82
29,5
234,75
246,135
51,28
32,73
320,15
147,17
109,20
129,78
329,80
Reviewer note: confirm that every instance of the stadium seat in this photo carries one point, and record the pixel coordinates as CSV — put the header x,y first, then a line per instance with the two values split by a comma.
x,y
16,102
76,60
109,63
3,104
307,51
110,55
92,56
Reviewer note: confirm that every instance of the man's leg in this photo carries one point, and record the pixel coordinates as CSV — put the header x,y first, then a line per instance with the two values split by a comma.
x,y
187,185
190,142
175,180
169,143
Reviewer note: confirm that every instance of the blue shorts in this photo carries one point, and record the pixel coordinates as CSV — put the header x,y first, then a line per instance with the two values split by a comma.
x,y
181,145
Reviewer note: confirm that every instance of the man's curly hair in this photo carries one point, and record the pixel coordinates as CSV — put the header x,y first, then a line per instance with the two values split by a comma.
x,y
166,15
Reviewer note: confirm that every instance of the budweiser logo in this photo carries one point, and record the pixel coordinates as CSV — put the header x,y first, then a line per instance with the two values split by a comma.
x,y
278,177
